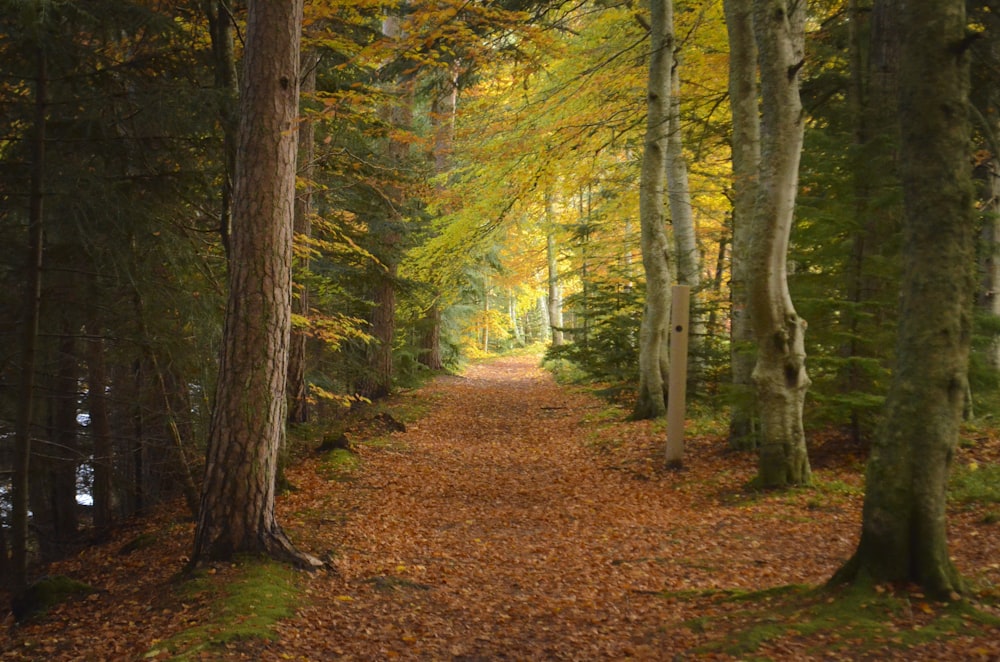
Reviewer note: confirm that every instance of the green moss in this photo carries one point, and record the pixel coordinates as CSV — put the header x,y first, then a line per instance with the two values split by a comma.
x,y
46,593
975,483
852,620
339,464
247,606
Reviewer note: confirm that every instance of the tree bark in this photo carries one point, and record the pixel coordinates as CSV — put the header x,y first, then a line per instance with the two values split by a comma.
x,y
903,532
554,300
237,500
746,163
779,374
100,430
654,363
682,219
29,341
220,23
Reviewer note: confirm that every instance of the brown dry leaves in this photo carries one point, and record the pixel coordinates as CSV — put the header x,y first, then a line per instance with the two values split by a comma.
x,y
512,523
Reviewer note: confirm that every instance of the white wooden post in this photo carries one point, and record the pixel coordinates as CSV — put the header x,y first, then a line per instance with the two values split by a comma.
x,y
679,314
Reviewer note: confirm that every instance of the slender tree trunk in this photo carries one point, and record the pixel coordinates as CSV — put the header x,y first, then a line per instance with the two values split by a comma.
x,y
298,388
682,220
100,430
554,302
903,532
654,363
386,234
237,501
780,373
743,433
221,25
29,340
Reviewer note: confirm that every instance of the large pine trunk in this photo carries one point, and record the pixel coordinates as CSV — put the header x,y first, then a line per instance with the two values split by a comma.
x,y
903,534
779,374
237,500
746,161
654,364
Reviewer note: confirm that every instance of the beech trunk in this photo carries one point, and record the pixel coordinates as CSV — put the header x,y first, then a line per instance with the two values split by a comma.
x,y
779,375
654,363
903,532
746,162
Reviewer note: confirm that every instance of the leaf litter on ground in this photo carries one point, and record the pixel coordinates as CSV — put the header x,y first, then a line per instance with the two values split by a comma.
x,y
519,520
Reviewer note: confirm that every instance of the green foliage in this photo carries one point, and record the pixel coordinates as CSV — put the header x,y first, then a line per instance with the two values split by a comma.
x,y
605,340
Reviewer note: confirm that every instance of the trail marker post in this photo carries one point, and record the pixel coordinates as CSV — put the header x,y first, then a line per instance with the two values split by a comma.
x,y
677,393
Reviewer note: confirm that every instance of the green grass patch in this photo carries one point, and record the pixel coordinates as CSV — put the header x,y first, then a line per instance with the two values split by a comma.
x,y
853,621
246,606
975,483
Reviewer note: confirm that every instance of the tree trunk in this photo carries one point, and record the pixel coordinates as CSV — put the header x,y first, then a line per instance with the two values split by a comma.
x,y
220,23
780,373
903,533
746,163
554,302
386,235
102,448
29,341
298,388
654,361
237,500
682,220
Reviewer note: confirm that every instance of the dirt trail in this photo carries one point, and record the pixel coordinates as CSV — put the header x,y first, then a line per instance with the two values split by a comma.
x,y
491,533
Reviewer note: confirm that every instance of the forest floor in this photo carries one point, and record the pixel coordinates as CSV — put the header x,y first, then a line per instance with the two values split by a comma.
x,y
517,519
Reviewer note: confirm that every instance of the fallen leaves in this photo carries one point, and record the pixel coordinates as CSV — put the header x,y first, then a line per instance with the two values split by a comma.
x,y
514,523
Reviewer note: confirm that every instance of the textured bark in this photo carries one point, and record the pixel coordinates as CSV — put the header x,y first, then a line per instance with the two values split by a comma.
x,y
654,364
237,501
746,162
903,533
779,374
298,388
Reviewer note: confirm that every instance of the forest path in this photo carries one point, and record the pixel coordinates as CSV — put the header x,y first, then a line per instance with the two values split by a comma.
x,y
489,530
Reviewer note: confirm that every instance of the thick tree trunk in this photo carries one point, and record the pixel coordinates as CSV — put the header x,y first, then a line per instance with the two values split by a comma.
x,y
298,388
746,164
237,501
903,533
654,363
780,374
